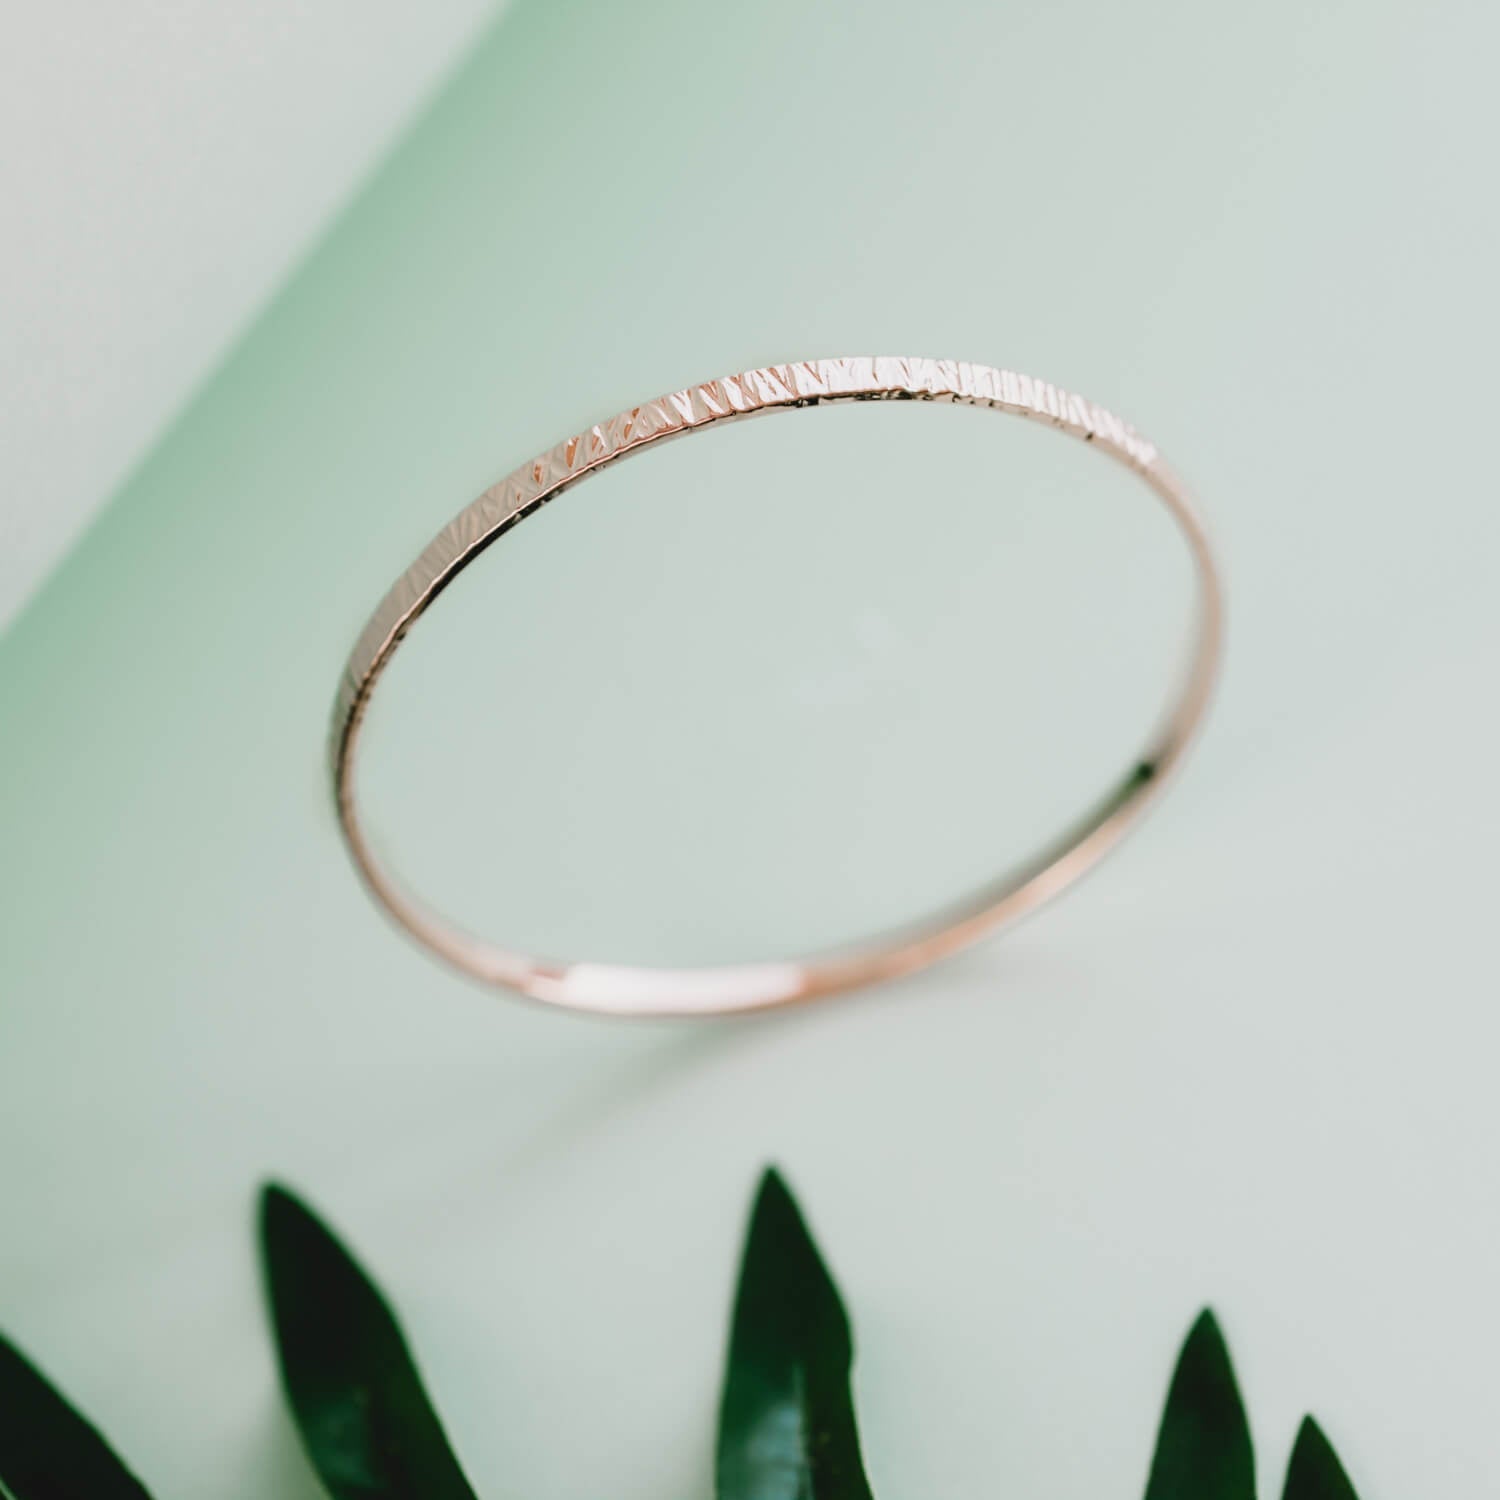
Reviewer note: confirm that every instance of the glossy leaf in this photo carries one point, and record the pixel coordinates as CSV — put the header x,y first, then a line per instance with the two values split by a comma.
x,y
786,1424
1315,1472
1203,1449
358,1401
47,1450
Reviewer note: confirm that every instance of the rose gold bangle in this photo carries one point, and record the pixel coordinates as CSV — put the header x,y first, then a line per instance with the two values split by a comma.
x,y
628,990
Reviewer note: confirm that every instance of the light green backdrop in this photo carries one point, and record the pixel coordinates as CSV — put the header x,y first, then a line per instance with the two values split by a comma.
x,y
1248,1064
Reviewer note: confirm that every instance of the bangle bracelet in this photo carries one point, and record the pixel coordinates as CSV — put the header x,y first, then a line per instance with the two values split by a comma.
x,y
624,989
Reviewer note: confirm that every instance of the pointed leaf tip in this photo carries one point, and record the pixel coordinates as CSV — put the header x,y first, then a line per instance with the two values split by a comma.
x,y
48,1451
772,1185
279,1211
355,1394
1315,1472
273,1195
1206,1325
786,1427
777,1217
1203,1448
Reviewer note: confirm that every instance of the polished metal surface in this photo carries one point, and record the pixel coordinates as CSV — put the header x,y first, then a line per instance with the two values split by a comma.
x,y
623,989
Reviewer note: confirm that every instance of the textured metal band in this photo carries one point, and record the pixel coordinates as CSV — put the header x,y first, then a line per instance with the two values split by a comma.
x,y
622,989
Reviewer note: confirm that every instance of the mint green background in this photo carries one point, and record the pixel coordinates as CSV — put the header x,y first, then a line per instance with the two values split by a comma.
x,y
1249,1064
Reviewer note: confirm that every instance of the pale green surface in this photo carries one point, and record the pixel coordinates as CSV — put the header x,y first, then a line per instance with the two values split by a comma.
x,y
1251,1063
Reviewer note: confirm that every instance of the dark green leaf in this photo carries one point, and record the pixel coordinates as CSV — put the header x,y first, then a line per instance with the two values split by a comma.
x,y
48,1451
365,1420
786,1425
1315,1472
1203,1450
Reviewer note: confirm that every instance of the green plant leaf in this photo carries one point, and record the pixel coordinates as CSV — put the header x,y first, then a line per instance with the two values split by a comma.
x,y
48,1451
365,1420
1203,1449
786,1424
1315,1472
